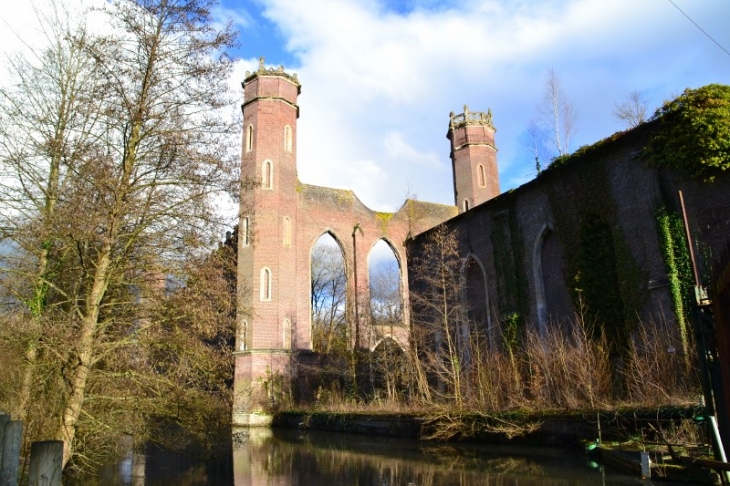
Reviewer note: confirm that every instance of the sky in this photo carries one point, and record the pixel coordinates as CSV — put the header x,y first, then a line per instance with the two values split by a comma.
x,y
379,77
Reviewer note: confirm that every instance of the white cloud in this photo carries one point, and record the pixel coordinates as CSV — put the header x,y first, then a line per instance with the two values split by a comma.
x,y
377,86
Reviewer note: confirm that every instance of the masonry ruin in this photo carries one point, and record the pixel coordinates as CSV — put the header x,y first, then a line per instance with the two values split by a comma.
x,y
522,249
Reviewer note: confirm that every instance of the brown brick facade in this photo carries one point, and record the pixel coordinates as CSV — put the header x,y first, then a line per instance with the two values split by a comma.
x,y
519,248
281,220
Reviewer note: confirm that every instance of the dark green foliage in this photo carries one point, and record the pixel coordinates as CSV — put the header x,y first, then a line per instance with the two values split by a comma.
x,y
603,276
597,280
694,133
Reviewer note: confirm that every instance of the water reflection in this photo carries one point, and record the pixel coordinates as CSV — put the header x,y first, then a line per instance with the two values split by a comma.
x,y
283,457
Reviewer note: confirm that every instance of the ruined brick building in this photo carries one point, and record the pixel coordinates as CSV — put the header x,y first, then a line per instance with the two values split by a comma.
x,y
523,249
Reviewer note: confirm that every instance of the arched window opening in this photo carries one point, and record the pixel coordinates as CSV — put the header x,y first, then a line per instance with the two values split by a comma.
x,y
328,296
476,301
466,205
242,336
286,334
265,290
386,303
390,368
249,138
267,175
481,176
245,231
287,139
287,232
553,300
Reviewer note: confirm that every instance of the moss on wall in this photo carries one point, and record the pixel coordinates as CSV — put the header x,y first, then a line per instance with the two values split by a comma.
x,y
509,262
602,276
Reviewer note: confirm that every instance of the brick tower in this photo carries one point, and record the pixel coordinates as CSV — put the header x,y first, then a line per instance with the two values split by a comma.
x,y
267,247
473,158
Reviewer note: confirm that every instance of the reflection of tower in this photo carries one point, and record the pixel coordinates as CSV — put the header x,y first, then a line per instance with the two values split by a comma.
x,y
267,248
473,157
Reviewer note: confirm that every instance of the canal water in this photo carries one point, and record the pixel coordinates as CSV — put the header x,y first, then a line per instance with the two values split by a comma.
x,y
283,457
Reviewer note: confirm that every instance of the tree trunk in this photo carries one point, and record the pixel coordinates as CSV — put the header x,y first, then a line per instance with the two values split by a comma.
x,y
84,355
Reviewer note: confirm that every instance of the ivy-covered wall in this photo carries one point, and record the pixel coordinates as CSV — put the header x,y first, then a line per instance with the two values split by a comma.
x,y
613,207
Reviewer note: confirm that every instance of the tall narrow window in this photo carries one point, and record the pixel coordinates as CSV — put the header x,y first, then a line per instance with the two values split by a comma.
x,y
287,139
267,175
286,334
482,176
242,336
245,231
249,138
287,231
265,290
466,205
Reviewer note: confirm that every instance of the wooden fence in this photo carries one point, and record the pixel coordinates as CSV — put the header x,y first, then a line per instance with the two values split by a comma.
x,y
46,458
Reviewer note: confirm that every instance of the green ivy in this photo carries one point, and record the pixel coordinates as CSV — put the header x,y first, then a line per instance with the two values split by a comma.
x,y
601,273
597,281
693,136
677,261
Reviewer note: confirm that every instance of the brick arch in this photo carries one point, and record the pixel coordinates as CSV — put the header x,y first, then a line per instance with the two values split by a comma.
x,y
334,236
397,333
392,247
540,304
552,300
477,290
388,337
347,265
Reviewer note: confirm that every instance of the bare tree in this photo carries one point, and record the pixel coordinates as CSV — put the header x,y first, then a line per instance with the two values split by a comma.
x,y
534,140
111,190
385,295
632,111
557,115
328,297
440,316
46,129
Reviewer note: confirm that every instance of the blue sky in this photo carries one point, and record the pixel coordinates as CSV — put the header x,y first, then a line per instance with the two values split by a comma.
x,y
379,77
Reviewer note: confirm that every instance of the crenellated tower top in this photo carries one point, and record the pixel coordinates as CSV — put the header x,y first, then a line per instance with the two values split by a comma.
x,y
471,118
263,71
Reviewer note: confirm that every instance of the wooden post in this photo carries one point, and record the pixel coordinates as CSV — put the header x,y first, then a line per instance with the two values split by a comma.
x,y
46,459
11,453
4,419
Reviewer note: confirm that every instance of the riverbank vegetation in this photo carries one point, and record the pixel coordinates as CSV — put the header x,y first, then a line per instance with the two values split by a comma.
x,y
115,149
561,370
456,366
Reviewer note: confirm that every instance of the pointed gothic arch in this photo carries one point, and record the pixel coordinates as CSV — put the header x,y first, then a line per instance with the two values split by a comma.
x,y
552,300
476,294
386,284
328,298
